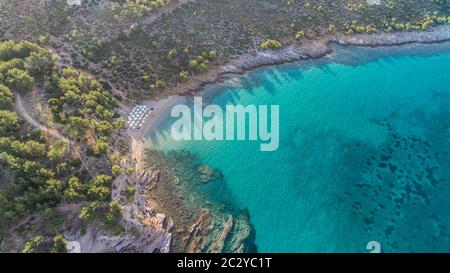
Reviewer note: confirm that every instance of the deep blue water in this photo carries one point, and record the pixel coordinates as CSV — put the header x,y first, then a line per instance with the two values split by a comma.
x,y
363,156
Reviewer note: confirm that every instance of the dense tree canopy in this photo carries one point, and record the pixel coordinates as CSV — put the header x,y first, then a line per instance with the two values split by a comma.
x,y
12,49
6,97
19,80
43,172
22,63
83,105
9,122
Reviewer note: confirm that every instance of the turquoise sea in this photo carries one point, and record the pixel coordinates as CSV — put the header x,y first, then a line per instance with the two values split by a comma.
x,y
363,156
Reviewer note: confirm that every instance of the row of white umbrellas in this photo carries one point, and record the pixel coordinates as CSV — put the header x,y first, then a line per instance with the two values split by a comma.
x,y
137,116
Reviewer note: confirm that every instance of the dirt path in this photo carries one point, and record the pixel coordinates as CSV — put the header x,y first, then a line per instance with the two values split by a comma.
x,y
22,111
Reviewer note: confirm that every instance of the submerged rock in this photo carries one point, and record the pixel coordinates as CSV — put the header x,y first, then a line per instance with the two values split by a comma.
x,y
200,224
216,235
208,174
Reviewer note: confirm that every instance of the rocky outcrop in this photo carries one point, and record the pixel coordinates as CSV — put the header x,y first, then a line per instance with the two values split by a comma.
x,y
139,239
216,235
220,243
208,174
201,224
146,230
197,232
151,229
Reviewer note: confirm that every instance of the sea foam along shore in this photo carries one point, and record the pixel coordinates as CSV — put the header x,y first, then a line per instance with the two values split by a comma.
x,y
309,49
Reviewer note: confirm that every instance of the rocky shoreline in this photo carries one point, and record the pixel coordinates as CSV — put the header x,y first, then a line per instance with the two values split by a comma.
x,y
194,227
200,223
309,50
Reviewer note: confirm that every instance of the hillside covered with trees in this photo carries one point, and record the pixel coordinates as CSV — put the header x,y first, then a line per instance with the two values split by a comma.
x,y
40,173
145,48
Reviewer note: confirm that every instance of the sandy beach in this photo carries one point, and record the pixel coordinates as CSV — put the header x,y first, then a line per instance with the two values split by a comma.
x,y
158,114
311,49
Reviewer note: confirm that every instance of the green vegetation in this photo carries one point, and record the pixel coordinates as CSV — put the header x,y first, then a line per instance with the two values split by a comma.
x,y
34,245
6,97
299,35
139,8
139,51
9,122
59,245
43,172
143,56
130,192
135,49
158,85
271,44
184,75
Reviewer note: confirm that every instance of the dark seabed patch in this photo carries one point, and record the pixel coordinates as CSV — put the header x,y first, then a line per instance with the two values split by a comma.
x,y
364,153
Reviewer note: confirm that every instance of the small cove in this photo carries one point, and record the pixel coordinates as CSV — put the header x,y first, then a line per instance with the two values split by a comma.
x,y
364,152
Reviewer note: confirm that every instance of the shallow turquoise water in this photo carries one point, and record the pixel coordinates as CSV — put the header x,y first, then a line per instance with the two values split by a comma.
x,y
363,156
